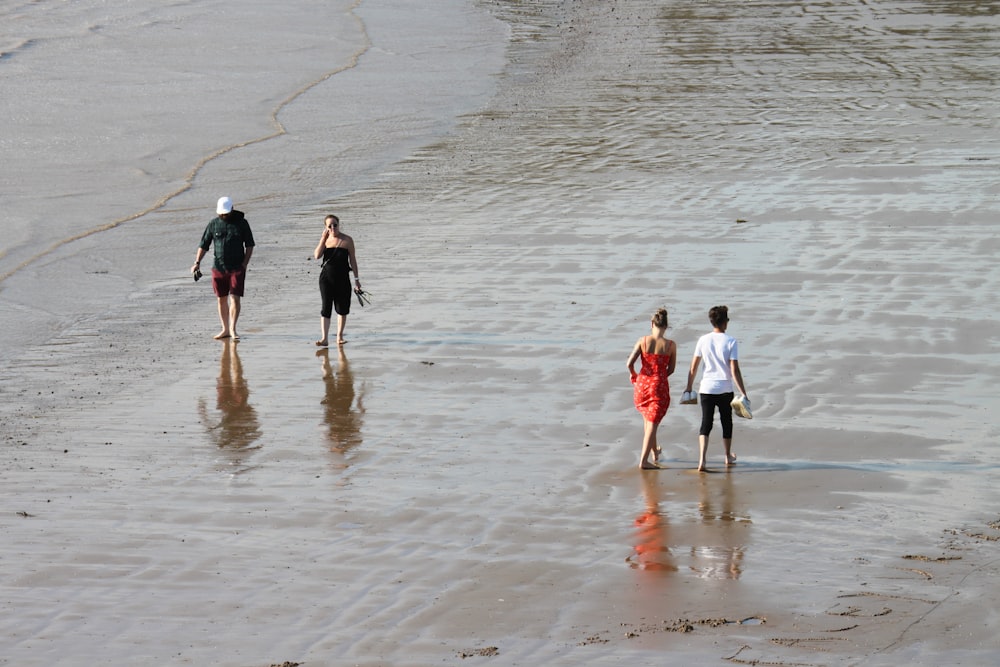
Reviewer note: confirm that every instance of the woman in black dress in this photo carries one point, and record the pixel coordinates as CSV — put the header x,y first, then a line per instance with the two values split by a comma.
x,y
337,251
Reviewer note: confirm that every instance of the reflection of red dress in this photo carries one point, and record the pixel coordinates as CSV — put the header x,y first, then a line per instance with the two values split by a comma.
x,y
651,553
652,389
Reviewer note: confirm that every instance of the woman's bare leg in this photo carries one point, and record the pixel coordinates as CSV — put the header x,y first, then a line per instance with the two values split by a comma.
x,y
648,445
341,322
324,330
730,457
702,452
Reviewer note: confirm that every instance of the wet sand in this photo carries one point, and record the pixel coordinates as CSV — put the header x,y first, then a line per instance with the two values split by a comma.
x,y
459,484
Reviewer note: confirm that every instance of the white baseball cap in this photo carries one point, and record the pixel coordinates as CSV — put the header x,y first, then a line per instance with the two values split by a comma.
x,y
225,205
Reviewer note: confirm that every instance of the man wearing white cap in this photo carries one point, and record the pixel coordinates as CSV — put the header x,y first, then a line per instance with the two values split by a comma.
x,y
233,240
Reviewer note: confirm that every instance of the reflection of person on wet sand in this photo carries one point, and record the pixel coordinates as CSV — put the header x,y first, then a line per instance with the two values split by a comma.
x,y
343,422
237,427
652,552
719,552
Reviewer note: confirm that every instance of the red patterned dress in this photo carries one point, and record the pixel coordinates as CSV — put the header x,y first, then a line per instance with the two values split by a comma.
x,y
652,389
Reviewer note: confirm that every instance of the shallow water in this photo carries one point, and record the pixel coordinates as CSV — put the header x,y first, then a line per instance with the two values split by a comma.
x,y
473,484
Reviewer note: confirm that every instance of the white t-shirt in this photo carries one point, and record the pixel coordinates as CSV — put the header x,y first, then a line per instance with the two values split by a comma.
x,y
715,350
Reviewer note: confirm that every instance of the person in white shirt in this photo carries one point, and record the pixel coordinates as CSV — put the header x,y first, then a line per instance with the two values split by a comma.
x,y
720,378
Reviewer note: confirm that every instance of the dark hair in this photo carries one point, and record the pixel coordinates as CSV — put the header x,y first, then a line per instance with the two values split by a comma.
x,y
335,218
659,319
718,315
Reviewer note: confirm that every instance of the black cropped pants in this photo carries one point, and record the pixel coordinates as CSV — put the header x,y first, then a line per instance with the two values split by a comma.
x,y
709,402
335,291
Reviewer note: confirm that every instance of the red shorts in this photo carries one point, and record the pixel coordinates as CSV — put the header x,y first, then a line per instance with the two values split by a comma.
x,y
230,282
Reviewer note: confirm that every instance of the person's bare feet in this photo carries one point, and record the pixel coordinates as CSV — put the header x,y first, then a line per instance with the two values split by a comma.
x,y
221,335
341,341
236,336
322,343
730,459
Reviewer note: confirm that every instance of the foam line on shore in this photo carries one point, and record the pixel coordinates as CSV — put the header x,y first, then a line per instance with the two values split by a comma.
x,y
189,178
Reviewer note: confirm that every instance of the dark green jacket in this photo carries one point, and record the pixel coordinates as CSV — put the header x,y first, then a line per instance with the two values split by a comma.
x,y
231,238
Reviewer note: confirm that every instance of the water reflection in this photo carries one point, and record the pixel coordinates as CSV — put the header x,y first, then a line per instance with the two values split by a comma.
x,y
234,427
652,550
343,407
719,554
706,535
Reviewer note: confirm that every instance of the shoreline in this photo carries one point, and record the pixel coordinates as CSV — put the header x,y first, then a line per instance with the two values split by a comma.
x,y
274,161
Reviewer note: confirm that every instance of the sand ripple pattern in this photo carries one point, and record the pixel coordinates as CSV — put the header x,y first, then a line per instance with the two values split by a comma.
x,y
486,508
851,142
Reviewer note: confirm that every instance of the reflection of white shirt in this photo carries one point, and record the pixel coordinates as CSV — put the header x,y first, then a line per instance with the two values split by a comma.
x,y
715,350
709,562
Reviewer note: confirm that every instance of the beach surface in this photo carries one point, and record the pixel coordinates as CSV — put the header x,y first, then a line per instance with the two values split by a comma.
x,y
526,184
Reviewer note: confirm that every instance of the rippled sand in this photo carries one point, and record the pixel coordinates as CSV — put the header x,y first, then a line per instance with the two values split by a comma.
x,y
459,483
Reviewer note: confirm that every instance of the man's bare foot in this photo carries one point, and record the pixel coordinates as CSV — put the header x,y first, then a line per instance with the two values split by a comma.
x,y
341,341
236,336
322,343
646,466
221,335
702,469
730,459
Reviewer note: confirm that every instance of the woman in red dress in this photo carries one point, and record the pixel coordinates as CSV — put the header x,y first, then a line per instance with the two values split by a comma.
x,y
652,389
